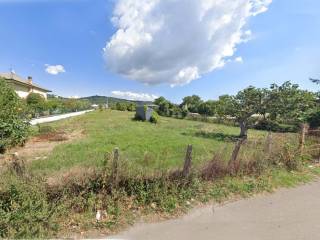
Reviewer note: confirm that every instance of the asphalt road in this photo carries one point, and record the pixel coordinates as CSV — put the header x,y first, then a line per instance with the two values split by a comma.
x,y
288,214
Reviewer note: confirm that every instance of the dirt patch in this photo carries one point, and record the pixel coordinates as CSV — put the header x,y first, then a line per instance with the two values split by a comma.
x,y
40,146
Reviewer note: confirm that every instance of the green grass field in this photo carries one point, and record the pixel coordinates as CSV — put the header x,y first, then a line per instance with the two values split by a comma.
x,y
143,146
69,193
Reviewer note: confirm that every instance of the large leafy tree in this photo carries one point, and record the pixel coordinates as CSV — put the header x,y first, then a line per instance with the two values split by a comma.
x,y
164,106
13,121
191,103
225,106
242,106
208,108
289,103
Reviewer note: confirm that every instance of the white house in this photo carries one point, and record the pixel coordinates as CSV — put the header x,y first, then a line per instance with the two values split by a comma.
x,y
23,87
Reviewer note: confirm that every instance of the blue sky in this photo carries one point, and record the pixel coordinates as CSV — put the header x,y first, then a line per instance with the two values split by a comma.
x,y
284,45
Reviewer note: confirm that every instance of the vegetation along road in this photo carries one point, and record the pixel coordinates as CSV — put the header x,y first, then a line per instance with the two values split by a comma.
x,y
288,214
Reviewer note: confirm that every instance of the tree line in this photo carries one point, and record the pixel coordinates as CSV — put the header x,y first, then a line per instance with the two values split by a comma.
x,y
267,107
37,105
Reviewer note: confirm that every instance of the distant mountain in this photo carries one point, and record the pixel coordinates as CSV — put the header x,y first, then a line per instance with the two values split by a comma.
x,y
111,100
103,100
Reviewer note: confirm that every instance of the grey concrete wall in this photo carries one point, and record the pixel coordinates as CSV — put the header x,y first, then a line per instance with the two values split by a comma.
x,y
144,115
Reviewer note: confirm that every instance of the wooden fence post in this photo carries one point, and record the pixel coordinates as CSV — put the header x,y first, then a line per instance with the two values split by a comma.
x,y
268,147
304,131
115,164
187,162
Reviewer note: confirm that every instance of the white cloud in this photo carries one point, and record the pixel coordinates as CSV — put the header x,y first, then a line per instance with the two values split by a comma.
x,y
134,96
54,69
238,59
175,42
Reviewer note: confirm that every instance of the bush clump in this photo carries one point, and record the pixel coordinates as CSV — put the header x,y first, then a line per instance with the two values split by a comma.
x,y
36,104
14,126
154,117
24,210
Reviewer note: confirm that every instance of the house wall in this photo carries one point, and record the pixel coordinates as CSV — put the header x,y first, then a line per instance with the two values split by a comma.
x,y
24,91
44,94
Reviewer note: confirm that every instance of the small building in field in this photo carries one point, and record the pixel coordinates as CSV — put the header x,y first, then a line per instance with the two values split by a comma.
x,y
23,87
144,112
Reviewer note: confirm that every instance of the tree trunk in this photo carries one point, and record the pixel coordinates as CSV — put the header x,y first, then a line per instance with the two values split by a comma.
x,y
244,129
233,164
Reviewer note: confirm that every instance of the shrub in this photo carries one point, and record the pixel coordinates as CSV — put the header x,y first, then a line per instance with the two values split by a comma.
x,y
273,126
14,124
35,99
24,209
131,107
36,104
121,106
154,117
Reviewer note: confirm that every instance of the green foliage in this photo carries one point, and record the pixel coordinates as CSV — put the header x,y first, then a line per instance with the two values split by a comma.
x,y
35,99
124,106
74,105
24,209
208,108
164,106
269,125
121,106
242,106
289,103
154,117
36,104
168,109
13,118
314,119
191,103
131,107
55,106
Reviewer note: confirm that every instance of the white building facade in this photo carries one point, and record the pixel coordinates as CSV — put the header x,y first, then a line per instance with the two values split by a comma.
x,y
23,87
